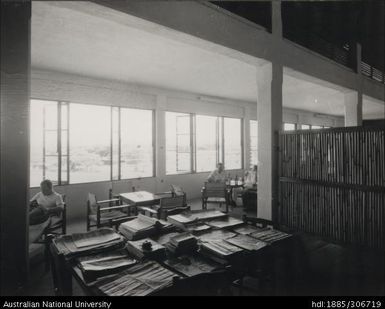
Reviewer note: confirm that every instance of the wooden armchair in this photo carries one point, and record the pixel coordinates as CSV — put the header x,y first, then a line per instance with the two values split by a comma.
x,y
171,205
109,215
215,193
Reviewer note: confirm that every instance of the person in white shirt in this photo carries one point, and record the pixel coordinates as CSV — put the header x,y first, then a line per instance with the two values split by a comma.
x,y
45,203
217,175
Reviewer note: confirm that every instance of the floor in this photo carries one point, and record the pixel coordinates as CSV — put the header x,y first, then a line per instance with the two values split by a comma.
x,y
319,268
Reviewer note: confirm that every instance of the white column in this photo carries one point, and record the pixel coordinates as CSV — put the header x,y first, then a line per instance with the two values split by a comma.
x,y
160,141
246,138
353,108
269,115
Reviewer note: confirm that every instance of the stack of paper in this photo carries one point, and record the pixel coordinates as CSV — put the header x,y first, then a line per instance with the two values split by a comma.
x,y
220,250
225,222
139,280
270,236
142,227
247,242
80,244
247,229
105,263
191,221
182,244
146,248
216,235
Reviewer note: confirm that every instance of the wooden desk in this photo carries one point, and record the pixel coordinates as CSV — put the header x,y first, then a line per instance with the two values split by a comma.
x,y
140,198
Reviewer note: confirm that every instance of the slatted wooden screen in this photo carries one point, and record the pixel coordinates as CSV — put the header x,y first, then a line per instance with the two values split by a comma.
x,y
332,183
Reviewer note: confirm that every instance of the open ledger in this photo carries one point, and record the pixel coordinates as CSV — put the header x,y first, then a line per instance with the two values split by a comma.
x,y
97,241
106,263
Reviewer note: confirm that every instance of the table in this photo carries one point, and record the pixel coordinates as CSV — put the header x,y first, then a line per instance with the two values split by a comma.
x,y
196,280
140,198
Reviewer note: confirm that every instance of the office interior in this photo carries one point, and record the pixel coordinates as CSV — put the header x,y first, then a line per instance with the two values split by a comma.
x,y
114,97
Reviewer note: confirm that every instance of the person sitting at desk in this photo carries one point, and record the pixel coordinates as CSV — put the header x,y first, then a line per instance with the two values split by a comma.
x,y
217,175
45,204
250,187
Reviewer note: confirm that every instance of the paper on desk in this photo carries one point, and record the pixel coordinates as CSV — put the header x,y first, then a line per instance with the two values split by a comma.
x,y
94,238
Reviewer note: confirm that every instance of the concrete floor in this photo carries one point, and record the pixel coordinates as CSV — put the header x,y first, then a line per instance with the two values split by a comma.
x,y
321,268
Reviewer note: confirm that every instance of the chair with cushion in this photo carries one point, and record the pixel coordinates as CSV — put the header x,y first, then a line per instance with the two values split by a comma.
x,y
105,212
215,193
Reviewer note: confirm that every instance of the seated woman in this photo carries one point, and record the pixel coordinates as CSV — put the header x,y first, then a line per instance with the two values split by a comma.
x,y
43,206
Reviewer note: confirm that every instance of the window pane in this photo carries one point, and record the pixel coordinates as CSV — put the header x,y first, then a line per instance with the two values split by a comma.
x,y
233,144
289,127
206,143
137,154
178,146
90,134
305,127
316,127
253,142
43,118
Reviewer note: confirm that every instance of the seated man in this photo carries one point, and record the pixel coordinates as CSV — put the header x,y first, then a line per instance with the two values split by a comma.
x,y
217,175
45,204
250,188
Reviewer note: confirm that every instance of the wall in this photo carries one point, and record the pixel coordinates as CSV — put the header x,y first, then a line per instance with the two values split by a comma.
x,y
78,89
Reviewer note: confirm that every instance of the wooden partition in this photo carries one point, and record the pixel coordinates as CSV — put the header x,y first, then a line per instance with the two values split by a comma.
x,y
332,184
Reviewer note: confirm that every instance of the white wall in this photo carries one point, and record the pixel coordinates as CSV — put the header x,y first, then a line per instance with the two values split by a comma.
x,y
61,86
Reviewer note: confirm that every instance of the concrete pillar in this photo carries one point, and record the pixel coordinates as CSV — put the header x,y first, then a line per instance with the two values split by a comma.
x,y
160,141
353,108
269,109
14,158
276,18
246,138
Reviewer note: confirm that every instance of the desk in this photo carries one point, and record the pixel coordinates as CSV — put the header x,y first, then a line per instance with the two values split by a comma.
x,y
140,198
191,280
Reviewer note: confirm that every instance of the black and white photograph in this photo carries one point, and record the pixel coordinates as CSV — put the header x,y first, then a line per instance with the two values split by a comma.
x,y
192,148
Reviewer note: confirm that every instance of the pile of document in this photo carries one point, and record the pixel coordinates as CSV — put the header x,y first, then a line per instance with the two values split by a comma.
x,y
147,248
220,251
224,222
216,235
247,229
143,226
182,244
247,242
193,221
270,236
80,244
139,280
106,263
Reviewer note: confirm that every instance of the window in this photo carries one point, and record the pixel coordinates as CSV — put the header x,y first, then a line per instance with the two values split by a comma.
x,y
137,152
289,127
305,127
48,142
206,143
232,132
316,127
90,143
178,143
253,142
76,143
